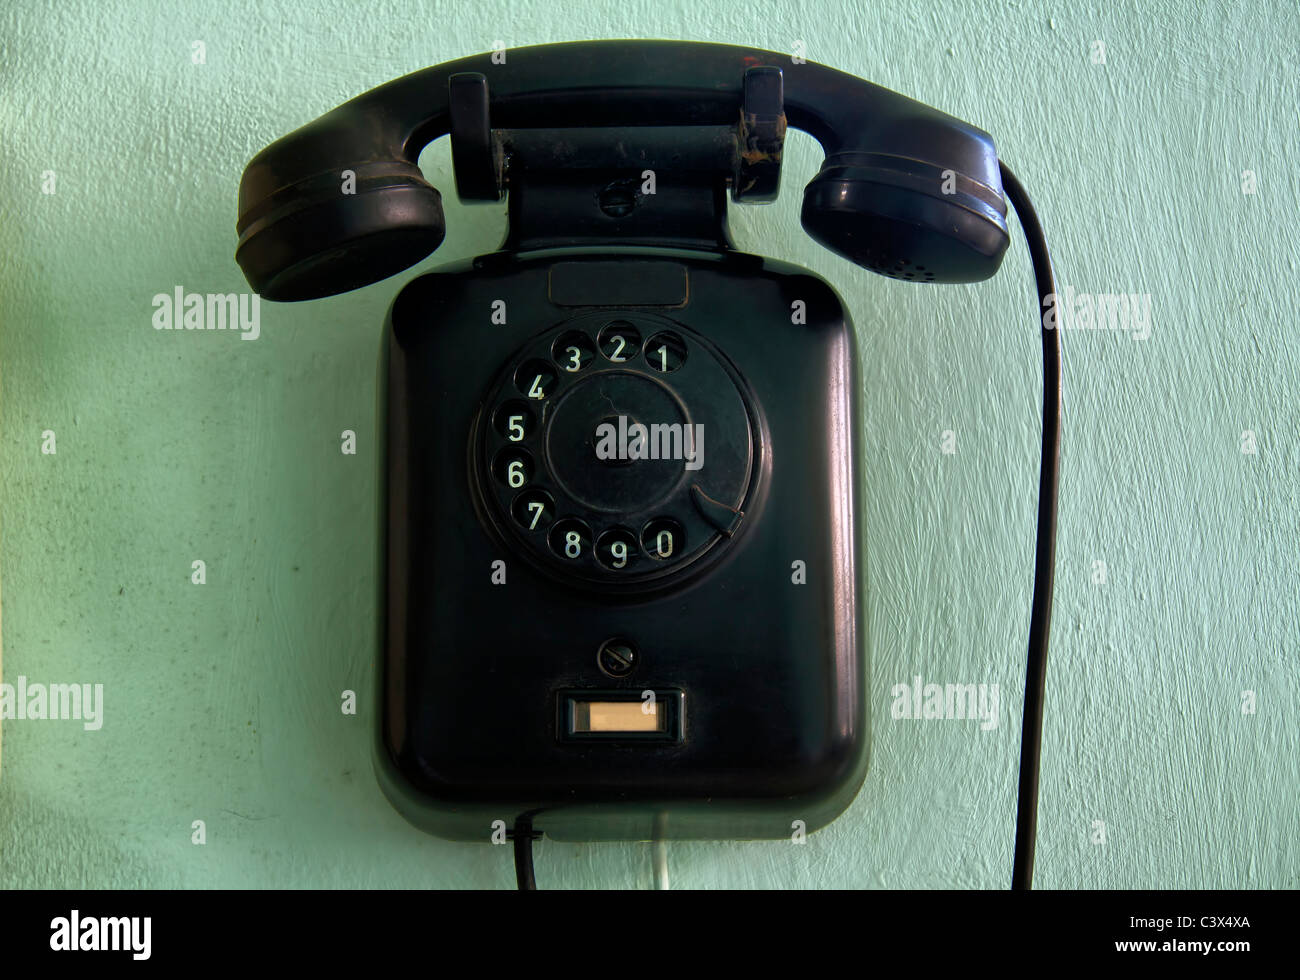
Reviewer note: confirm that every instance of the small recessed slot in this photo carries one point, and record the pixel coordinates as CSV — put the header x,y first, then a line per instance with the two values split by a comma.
x,y
617,716
621,715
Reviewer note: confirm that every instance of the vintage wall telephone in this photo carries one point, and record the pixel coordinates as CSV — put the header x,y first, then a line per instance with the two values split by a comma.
x,y
622,588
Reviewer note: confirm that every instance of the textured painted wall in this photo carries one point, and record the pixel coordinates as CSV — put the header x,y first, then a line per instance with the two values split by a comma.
x,y
221,701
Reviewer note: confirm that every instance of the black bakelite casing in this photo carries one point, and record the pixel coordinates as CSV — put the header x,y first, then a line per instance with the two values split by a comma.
x,y
766,664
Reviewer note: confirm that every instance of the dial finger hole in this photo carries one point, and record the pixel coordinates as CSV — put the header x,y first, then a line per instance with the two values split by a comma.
x,y
514,420
533,510
663,538
570,539
535,380
620,341
573,352
513,467
617,548
665,352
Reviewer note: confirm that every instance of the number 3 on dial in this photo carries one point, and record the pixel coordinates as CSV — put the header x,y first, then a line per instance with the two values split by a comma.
x,y
573,351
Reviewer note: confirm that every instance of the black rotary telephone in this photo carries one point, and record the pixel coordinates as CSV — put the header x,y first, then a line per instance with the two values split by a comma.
x,y
622,588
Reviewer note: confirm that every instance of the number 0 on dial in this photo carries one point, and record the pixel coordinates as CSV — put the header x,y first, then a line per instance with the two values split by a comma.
x,y
662,538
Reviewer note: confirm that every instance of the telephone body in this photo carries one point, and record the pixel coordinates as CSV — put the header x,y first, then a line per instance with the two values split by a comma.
x,y
622,585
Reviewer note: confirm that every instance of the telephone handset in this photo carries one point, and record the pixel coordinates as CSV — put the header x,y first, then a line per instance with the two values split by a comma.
x,y
904,189
622,585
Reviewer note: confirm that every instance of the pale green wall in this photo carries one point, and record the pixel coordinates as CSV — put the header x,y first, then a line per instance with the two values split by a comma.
x,y
222,701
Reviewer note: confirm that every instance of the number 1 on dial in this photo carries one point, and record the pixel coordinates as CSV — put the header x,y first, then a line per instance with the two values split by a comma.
x,y
668,349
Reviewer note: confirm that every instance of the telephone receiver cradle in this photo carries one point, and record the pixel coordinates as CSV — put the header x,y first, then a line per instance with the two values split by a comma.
x,y
729,589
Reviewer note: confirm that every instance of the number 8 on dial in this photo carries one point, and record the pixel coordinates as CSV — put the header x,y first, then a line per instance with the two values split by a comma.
x,y
570,539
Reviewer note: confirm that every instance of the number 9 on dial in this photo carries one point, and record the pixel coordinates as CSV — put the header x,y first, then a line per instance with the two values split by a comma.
x,y
617,548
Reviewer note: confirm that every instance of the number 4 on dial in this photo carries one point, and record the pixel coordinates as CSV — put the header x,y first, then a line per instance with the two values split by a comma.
x,y
535,379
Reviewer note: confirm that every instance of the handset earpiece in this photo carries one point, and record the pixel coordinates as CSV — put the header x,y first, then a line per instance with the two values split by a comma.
x,y
341,202
916,195
338,231
335,205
